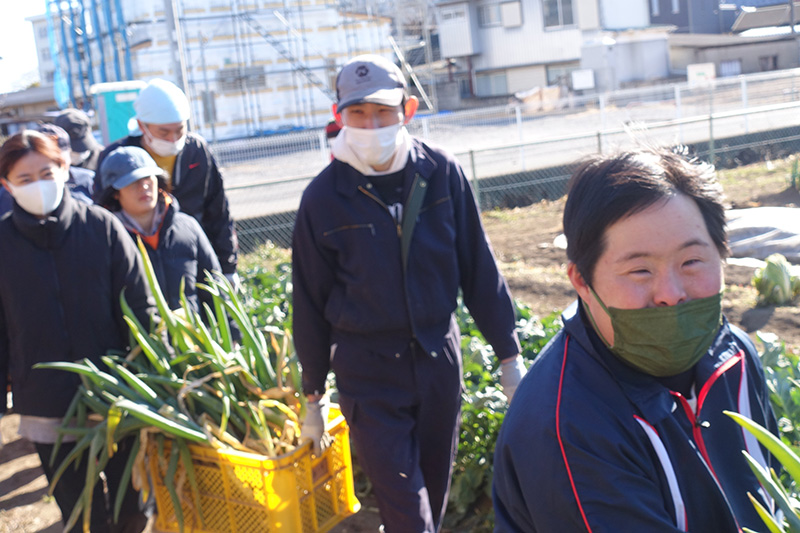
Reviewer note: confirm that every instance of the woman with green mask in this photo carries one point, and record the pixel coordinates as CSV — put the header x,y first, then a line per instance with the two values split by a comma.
x,y
619,425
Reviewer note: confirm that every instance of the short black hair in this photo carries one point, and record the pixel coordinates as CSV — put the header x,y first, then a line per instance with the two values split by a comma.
x,y
607,188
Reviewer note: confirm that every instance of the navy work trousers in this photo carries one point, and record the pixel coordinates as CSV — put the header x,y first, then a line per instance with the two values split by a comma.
x,y
403,408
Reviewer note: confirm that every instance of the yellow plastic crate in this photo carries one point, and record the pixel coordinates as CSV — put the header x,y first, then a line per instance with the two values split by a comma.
x,y
242,493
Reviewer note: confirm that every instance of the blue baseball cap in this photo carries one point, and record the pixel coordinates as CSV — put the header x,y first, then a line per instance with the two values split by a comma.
x,y
126,165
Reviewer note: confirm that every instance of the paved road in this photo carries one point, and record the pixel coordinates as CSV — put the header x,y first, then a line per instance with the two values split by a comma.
x,y
274,184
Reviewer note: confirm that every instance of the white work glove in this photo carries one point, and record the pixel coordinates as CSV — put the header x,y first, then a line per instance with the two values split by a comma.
x,y
313,425
511,372
235,281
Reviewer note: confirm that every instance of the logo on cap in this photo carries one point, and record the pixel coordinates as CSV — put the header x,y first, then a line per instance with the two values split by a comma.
x,y
362,71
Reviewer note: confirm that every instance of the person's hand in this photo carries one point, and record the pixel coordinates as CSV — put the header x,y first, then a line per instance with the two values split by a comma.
x,y
511,372
235,281
313,425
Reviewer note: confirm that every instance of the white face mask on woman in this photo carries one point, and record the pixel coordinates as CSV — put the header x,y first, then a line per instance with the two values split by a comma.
x,y
42,197
375,147
162,147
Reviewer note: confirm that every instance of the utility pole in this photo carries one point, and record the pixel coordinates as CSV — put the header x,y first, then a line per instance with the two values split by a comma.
x,y
176,45
429,58
208,99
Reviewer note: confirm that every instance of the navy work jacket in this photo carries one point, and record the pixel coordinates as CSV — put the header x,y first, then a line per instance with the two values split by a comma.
x,y
591,444
349,277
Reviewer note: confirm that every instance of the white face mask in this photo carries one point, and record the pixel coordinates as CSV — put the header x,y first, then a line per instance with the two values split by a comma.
x,y
375,147
162,147
40,198
79,157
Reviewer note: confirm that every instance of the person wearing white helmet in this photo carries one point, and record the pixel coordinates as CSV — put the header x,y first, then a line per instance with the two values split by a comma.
x,y
162,116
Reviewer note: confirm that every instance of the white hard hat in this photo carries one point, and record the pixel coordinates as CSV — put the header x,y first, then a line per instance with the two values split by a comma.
x,y
161,102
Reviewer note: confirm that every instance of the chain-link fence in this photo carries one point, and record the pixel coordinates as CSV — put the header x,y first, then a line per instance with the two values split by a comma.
x,y
518,154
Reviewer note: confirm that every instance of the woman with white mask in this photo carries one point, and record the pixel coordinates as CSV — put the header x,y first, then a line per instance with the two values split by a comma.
x,y
64,265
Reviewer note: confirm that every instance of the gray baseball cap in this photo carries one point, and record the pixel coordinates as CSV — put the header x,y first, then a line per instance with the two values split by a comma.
x,y
79,127
126,165
370,79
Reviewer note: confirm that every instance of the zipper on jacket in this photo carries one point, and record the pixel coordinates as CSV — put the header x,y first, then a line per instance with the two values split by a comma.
x,y
397,225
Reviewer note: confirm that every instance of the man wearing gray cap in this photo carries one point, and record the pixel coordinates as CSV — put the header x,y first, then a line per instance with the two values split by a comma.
x,y
385,238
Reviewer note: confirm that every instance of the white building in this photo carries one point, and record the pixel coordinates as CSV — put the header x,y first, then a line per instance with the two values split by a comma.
x,y
503,47
249,67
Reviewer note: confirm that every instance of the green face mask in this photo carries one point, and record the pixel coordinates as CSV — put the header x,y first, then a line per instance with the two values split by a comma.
x,y
663,341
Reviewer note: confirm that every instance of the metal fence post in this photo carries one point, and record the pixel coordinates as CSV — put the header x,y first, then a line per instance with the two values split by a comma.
x,y
744,102
601,102
475,185
678,112
711,126
599,142
519,133
323,147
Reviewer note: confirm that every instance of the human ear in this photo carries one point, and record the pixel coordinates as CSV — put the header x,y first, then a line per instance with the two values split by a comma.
x,y
578,283
337,116
411,106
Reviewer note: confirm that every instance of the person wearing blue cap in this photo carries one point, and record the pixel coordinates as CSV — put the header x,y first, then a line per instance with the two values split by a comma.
x,y
162,114
385,239
64,265
135,189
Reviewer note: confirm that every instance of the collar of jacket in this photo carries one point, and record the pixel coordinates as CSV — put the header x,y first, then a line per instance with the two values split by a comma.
x,y
420,160
647,393
48,232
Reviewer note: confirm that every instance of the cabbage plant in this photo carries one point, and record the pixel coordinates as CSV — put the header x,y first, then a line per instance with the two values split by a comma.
x,y
775,283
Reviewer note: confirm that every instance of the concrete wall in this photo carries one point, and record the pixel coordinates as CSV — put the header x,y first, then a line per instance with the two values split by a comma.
x,y
748,53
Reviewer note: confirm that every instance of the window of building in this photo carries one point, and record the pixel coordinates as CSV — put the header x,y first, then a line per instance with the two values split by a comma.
x,y
454,13
489,15
557,13
238,79
560,74
44,54
766,63
729,68
464,88
676,7
655,8
492,84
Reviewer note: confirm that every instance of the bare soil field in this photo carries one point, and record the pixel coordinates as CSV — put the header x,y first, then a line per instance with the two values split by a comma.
x,y
535,268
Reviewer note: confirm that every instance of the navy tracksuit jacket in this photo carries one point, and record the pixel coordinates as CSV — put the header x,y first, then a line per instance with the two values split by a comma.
x,y
590,444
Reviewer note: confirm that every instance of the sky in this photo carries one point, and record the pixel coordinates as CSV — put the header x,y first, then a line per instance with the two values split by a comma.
x,y
17,47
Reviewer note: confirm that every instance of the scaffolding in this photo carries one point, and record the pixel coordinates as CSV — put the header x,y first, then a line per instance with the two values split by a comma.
x,y
248,70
